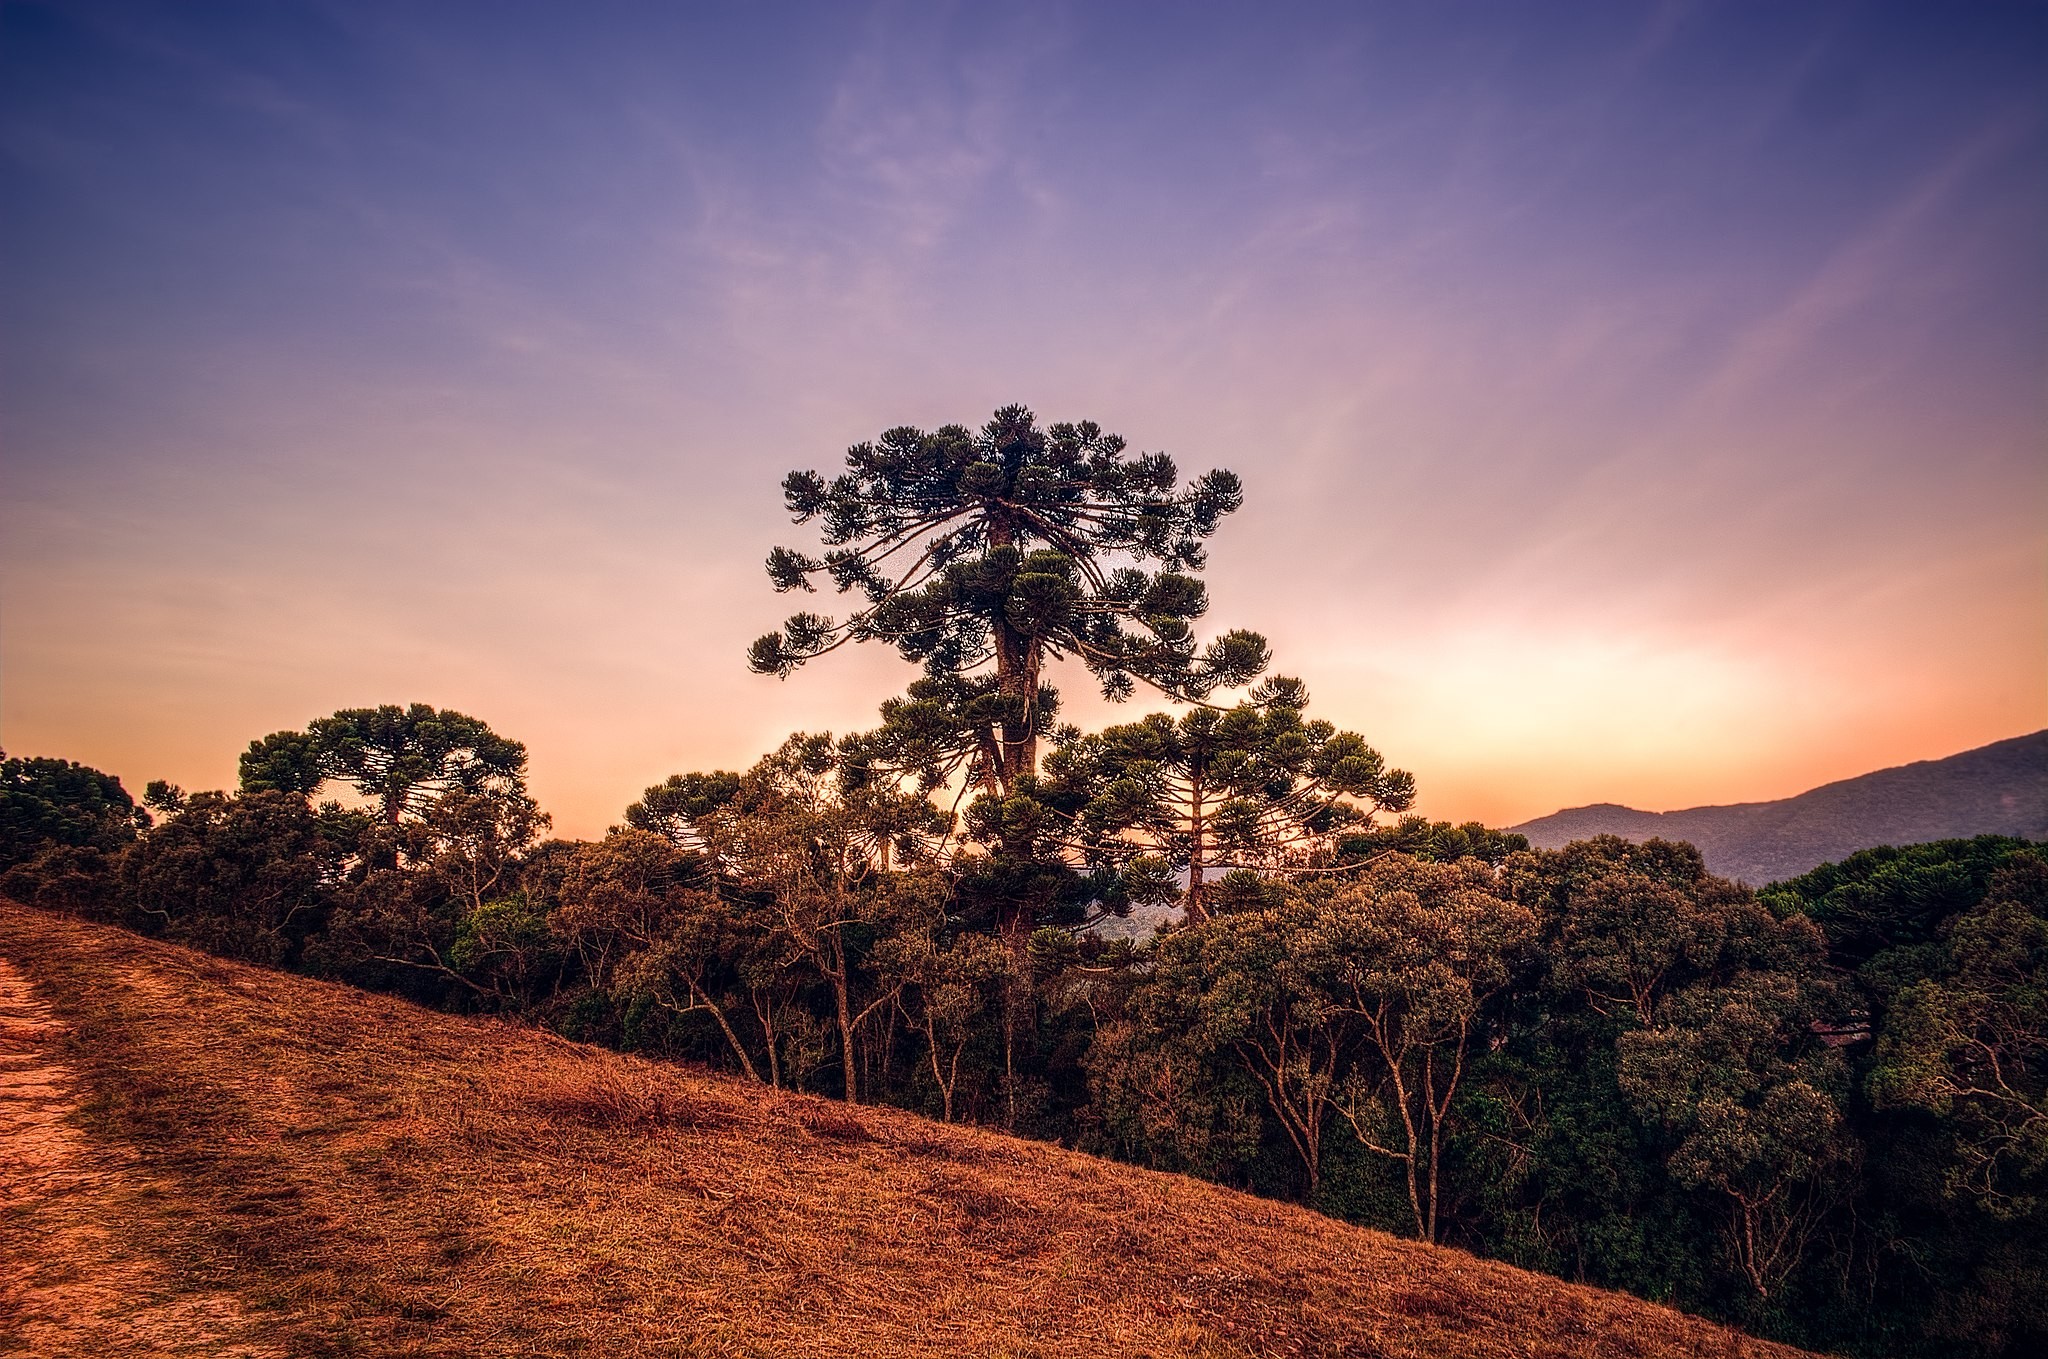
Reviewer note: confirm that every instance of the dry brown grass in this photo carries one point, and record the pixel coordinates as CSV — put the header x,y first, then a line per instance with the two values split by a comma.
x,y
322,1172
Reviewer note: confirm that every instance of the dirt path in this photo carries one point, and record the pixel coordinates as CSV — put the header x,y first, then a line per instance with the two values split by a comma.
x,y
74,1280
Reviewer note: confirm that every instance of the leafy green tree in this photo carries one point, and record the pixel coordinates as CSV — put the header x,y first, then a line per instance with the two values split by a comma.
x,y
1715,1005
1362,1003
60,802
1420,838
1733,1070
1947,1225
819,850
947,991
506,945
452,820
1254,786
1575,1175
649,926
1417,952
1970,1043
1884,910
1161,1098
675,807
418,882
983,556
1251,992
1630,923
282,762
472,842
252,877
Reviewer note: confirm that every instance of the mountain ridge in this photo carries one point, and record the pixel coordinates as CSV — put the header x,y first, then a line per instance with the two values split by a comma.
x,y
1996,789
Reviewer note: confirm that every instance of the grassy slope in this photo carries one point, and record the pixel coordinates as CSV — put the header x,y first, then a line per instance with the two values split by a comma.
x,y
271,1165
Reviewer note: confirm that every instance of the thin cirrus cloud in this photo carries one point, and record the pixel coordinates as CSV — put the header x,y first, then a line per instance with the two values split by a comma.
x,y
1637,403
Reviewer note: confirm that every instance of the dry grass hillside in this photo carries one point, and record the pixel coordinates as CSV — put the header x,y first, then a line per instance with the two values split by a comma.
x,y
205,1158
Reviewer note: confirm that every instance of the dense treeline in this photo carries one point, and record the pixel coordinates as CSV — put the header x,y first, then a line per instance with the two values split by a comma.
x,y
1817,1110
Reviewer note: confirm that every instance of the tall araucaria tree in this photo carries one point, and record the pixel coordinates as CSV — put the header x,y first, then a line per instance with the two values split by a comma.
x,y
1254,786
983,556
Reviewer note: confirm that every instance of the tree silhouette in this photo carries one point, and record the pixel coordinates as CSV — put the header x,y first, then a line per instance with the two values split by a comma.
x,y
983,556
404,759
1254,786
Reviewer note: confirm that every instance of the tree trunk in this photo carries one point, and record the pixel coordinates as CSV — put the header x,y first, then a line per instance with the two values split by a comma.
x,y
1015,682
739,1049
846,1053
767,1018
1312,1134
1430,1112
1435,1159
931,1033
1197,855
1018,661
1393,1057
1010,1077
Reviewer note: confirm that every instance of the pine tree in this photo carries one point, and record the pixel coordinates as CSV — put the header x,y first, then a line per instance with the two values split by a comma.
x,y
1254,786
982,557
405,759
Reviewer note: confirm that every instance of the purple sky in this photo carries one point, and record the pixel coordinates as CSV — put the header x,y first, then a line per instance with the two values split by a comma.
x,y
1644,403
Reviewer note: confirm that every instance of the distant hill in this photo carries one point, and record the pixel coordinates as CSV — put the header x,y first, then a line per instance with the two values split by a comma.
x,y
1999,789
199,1157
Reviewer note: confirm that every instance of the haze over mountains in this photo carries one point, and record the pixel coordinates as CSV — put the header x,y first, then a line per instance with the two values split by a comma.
x,y
1999,789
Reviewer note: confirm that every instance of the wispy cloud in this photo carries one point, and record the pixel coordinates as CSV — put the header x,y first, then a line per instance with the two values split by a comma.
x,y
1890,255
1606,412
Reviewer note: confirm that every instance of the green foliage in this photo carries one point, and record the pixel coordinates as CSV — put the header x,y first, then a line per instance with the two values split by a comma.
x,y
982,555
652,935
1170,1105
283,762
1970,1045
451,822
253,877
1359,1006
507,943
1893,897
403,759
1439,841
1634,922
79,879
673,808
1251,787
1661,1087
946,985
1937,946
1820,1112
47,802
1753,1102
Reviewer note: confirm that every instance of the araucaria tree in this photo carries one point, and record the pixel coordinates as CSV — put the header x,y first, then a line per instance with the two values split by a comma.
x,y
403,759
1254,786
452,820
983,556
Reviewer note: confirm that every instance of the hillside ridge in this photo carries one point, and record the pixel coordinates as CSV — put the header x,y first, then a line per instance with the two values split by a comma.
x,y
1997,789
298,1168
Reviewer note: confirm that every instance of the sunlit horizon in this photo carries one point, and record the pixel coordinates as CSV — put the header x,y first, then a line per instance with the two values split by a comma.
x,y
1646,405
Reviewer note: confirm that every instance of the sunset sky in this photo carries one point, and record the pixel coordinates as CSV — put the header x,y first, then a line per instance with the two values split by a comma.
x,y
1637,403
